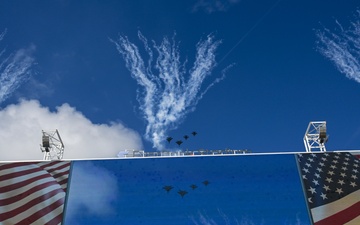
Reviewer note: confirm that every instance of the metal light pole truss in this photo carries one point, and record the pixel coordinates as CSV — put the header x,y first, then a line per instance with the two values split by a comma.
x,y
315,136
52,145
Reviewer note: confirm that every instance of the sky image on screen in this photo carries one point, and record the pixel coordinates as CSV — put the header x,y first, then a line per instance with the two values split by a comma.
x,y
192,190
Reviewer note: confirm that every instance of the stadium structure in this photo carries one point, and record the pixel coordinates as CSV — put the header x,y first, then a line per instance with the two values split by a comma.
x,y
185,187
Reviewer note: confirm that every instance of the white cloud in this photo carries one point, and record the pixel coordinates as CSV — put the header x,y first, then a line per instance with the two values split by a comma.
x,y
21,126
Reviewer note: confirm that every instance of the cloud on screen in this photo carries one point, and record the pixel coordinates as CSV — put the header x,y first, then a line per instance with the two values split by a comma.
x,y
96,201
22,123
342,47
202,218
210,6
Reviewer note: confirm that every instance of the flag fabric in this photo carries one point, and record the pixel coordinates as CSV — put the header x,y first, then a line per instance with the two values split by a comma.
x,y
332,187
33,192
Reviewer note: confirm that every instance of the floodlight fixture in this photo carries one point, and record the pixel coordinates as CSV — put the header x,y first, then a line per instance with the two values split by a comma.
x,y
52,145
315,136
46,142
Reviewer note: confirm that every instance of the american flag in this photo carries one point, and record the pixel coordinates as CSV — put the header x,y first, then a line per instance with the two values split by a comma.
x,y
331,185
33,192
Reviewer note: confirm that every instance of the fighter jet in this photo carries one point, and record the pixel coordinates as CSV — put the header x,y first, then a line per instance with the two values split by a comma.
x,y
169,139
179,142
206,182
193,186
168,188
186,137
182,193
194,133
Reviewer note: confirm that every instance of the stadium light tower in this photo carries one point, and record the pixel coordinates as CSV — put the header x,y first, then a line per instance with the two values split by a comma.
x,y
315,136
52,145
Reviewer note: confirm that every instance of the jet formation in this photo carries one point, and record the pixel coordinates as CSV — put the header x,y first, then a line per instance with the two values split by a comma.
x,y
182,192
179,142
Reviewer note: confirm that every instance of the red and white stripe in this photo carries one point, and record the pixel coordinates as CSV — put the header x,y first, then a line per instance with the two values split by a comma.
x,y
33,192
344,211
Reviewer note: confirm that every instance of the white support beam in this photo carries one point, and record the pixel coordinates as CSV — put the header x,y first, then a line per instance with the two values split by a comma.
x,y
315,136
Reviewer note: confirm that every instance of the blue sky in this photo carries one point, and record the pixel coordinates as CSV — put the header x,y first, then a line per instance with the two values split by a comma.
x,y
280,79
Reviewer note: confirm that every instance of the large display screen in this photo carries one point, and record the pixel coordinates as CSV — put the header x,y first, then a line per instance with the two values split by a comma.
x,y
239,189
305,188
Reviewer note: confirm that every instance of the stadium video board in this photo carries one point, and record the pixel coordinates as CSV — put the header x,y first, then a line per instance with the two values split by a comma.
x,y
229,189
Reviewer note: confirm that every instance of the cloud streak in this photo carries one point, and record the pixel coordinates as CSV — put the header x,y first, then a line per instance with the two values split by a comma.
x,y
171,92
14,69
342,47
203,219
210,6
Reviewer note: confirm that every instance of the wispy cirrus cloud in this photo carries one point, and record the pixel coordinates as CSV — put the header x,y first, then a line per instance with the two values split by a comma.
x,y
15,68
169,92
203,219
342,47
210,6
